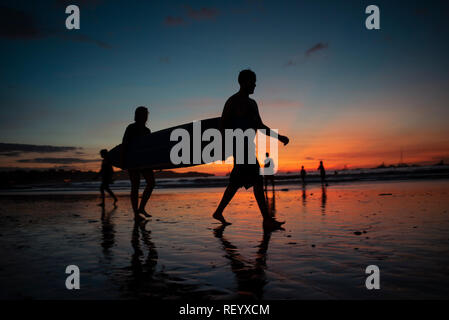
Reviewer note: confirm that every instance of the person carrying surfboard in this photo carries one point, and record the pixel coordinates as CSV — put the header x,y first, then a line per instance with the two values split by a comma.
x,y
133,131
242,112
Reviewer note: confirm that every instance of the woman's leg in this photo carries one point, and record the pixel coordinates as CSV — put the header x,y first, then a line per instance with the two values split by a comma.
x,y
108,189
101,204
134,177
149,178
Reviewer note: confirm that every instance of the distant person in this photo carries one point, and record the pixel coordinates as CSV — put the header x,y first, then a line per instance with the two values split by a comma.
x,y
322,173
241,112
133,131
268,163
303,175
106,173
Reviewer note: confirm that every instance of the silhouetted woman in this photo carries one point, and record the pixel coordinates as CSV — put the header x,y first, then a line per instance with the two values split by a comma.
x,y
133,131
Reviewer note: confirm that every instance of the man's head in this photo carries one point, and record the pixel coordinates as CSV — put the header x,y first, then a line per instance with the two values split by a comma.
x,y
104,153
141,115
247,81
267,154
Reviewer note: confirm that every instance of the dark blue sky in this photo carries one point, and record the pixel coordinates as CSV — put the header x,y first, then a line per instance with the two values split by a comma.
x,y
388,87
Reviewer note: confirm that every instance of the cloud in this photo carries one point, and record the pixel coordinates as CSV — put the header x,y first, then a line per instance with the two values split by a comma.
x,y
290,63
174,21
164,60
10,154
57,160
16,149
17,24
319,46
192,14
303,58
202,14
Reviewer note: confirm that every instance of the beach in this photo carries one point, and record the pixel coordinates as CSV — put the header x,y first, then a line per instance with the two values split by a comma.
x,y
331,235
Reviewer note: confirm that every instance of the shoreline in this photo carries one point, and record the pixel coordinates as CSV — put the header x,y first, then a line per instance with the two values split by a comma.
x,y
292,182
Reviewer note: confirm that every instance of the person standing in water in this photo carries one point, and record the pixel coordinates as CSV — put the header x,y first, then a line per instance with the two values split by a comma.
x,y
322,173
242,112
303,175
106,173
133,131
268,163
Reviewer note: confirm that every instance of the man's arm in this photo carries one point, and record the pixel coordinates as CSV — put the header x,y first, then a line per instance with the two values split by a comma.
x,y
268,131
226,117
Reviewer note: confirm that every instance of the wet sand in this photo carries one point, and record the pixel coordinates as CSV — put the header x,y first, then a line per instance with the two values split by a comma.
x,y
330,237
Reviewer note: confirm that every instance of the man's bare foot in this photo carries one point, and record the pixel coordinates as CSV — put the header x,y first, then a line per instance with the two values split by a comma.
x,y
220,218
272,224
144,213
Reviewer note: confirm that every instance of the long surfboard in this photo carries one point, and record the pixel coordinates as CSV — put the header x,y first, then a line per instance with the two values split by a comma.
x,y
153,150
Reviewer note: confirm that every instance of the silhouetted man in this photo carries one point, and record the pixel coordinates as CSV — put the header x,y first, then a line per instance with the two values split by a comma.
x,y
241,112
106,174
322,173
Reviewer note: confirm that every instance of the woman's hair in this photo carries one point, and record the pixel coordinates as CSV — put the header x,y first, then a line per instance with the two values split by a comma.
x,y
140,112
104,152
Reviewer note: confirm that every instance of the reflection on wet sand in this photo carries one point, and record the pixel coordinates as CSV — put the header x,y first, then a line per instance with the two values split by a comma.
x,y
141,279
107,231
304,195
250,276
400,226
323,199
271,203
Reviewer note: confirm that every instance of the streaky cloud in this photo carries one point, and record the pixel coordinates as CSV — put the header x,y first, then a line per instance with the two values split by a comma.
x,y
16,149
57,160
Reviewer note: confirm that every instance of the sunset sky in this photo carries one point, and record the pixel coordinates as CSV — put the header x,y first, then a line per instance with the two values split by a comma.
x,y
343,94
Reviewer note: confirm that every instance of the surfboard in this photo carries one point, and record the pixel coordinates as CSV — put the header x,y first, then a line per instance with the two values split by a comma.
x,y
153,150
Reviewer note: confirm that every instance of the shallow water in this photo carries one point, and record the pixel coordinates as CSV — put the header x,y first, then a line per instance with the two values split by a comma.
x,y
182,253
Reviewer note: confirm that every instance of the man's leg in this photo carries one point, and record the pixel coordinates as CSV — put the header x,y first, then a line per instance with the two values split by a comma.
x,y
134,177
229,193
149,178
268,221
259,195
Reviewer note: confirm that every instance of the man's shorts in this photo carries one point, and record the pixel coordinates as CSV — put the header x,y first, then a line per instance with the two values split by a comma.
x,y
246,175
